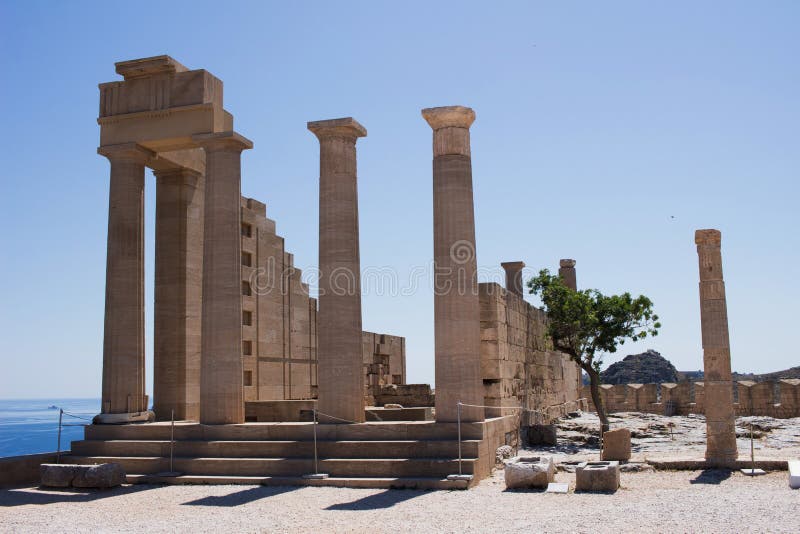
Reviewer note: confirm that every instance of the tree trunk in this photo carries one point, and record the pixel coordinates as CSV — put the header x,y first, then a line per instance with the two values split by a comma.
x,y
594,386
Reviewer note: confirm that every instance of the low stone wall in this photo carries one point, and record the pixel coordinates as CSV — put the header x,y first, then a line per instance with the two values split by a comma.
x,y
519,367
779,399
279,411
24,470
406,395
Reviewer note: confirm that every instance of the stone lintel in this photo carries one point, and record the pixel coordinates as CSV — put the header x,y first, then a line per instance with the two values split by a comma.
x,y
346,127
223,141
148,66
127,151
708,237
191,159
566,263
449,117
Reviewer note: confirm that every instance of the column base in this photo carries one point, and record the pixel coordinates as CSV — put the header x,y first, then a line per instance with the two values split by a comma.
x,y
124,418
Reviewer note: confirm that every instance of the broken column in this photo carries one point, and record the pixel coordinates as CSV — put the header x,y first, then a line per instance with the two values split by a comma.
x,y
340,367
513,271
720,418
221,395
566,271
123,340
178,293
456,306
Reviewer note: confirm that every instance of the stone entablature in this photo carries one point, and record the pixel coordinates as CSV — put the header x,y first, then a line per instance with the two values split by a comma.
x,y
779,399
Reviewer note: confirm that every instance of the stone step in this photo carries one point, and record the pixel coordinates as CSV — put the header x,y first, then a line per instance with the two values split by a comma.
x,y
291,467
422,483
377,431
278,449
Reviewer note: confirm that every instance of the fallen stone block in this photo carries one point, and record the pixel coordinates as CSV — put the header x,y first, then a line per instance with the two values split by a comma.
x,y
57,475
794,474
82,476
597,476
617,445
542,435
99,476
530,472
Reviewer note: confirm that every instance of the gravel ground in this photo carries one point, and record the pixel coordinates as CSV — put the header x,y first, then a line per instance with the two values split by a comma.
x,y
667,501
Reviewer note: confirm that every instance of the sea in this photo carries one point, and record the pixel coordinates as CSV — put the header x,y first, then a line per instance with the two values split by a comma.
x,y
30,426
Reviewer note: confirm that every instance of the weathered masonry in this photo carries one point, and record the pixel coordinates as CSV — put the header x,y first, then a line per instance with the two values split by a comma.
x,y
265,380
779,399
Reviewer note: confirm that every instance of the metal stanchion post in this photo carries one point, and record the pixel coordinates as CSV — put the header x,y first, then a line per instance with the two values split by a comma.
x,y
458,412
58,451
172,441
316,475
460,475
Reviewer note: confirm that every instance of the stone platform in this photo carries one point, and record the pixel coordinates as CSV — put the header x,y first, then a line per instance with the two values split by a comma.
x,y
417,454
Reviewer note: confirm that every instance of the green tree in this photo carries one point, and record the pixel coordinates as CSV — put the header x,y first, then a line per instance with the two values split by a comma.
x,y
586,324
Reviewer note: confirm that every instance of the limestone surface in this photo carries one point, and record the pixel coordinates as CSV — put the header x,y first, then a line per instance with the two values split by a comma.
x,y
617,444
529,472
597,476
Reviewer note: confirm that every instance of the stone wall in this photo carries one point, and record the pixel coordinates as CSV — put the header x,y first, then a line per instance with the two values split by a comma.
x,y
24,470
279,322
780,399
518,364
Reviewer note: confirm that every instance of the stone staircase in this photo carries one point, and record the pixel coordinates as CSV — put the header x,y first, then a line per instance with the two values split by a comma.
x,y
385,454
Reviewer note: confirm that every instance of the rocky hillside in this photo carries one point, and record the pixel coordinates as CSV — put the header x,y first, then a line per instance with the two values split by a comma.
x,y
645,368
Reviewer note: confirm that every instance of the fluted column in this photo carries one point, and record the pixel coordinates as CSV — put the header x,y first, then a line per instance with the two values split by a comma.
x,y
720,418
456,306
566,270
340,364
123,339
221,395
178,293
513,271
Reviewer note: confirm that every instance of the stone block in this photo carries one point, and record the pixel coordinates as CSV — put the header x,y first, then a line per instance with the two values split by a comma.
x,y
57,475
617,444
529,472
82,476
794,474
99,476
542,435
597,476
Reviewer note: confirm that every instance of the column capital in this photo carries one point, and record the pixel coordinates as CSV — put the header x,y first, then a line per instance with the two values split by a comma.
x,y
566,263
513,265
346,127
449,117
227,141
127,152
176,175
708,237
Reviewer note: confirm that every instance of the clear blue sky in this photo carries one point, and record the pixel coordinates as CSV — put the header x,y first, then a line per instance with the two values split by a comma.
x,y
597,123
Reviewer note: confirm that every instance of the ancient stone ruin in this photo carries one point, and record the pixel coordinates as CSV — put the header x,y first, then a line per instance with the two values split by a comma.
x,y
246,361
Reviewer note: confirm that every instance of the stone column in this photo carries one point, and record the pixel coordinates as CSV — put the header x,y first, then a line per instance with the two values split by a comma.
x,y
514,276
720,418
566,271
340,365
123,340
221,395
456,307
178,293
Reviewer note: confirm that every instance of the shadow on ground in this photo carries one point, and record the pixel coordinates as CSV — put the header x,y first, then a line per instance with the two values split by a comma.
x,y
242,497
711,476
24,496
385,499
